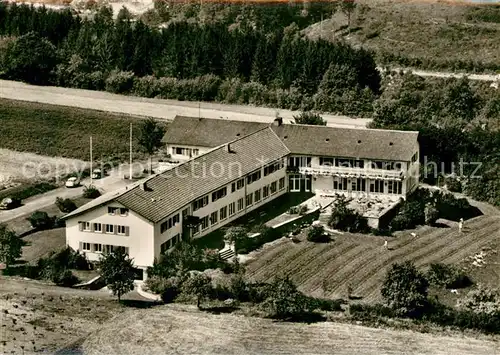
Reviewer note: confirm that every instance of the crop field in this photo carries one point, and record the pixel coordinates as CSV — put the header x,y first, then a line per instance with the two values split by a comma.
x,y
361,262
60,131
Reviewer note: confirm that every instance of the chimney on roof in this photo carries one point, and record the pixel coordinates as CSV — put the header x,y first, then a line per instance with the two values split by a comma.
x,y
228,148
143,186
278,121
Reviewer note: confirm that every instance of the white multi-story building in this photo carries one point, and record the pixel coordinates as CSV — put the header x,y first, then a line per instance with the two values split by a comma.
x,y
231,168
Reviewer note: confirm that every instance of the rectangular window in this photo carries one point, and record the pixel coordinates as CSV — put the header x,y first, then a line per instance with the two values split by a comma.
x,y
326,161
257,196
274,187
223,213
240,204
274,166
282,183
377,186
233,187
232,208
98,227
86,247
340,184
185,213
123,211
394,187
196,152
214,217
165,246
204,223
249,200
112,210
86,226
253,177
108,248
110,229
240,183
199,203
297,162
358,184
219,194
169,223
121,230
98,248
265,191
349,163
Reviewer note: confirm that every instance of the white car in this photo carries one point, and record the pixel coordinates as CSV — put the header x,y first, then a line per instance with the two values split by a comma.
x,y
72,182
97,174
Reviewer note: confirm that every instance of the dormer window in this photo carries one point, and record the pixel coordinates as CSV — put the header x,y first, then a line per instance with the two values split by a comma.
x,y
112,210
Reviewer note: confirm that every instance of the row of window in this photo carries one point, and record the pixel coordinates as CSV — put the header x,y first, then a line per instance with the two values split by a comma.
x,y
170,243
190,152
359,184
169,223
272,167
237,185
118,210
100,248
104,228
229,210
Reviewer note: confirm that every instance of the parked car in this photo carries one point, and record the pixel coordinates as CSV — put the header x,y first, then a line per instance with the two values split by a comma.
x,y
98,173
72,182
9,203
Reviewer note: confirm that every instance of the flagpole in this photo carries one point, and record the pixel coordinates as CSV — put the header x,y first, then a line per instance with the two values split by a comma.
x,y
130,167
90,160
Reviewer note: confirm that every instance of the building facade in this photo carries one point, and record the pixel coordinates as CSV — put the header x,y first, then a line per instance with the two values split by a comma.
x,y
229,168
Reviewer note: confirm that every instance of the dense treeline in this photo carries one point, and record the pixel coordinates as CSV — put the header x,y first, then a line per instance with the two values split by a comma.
x,y
190,61
458,122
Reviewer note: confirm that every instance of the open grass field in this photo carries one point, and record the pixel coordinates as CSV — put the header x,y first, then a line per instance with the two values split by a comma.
x,y
61,131
437,32
175,329
326,270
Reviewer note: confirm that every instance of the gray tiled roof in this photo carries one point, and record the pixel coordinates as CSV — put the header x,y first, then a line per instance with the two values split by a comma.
x,y
348,142
207,132
300,139
173,189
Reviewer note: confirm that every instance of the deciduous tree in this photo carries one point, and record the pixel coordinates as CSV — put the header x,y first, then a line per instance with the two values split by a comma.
x,y
116,268
10,245
405,289
150,138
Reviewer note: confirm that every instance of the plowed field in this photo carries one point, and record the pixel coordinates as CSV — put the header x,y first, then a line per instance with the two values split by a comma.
x,y
326,270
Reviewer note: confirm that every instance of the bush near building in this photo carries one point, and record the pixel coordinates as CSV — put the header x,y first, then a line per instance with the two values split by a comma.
x,y
346,219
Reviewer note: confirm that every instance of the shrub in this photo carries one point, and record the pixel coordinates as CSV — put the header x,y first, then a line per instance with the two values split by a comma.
x,y
40,220
481,300
405,289
91,192
65,205
431,214
168,289
326,304
284,301
453,185
64,278
447,276
346,219
309,118
119,82
317,234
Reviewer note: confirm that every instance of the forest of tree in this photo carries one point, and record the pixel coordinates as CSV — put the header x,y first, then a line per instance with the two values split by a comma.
x,y
187,61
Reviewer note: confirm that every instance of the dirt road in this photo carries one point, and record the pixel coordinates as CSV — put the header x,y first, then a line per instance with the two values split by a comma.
x,y
440,74
163,109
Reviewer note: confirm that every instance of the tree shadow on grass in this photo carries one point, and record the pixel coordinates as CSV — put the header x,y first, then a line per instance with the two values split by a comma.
x,y
139,303
309,318
220,309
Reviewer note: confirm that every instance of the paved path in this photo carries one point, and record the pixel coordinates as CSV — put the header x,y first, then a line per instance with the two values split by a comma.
x,y
162,109
109,183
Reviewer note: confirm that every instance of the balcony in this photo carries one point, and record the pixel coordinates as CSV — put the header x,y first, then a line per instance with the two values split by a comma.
x,y
346,172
